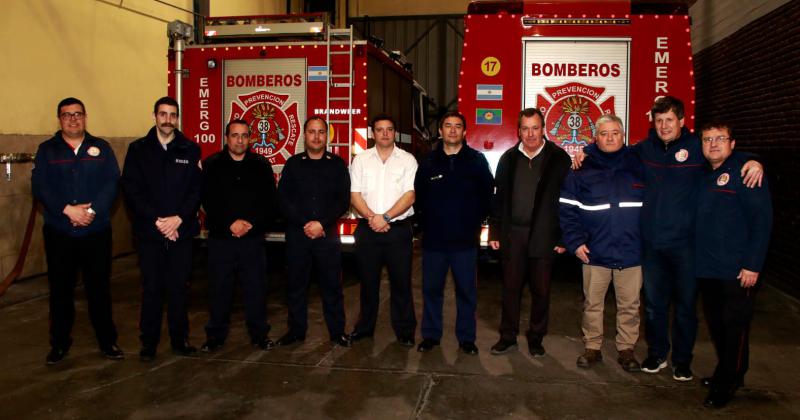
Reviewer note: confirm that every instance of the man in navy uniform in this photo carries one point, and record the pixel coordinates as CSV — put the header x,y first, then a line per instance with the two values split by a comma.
x,y
239,199
453,190
731,237
313,192
161,182
75,177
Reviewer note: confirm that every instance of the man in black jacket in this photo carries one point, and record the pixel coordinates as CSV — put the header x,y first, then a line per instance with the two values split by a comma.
x,y
524,227
314,191
161,182
453,190
75,178
238,197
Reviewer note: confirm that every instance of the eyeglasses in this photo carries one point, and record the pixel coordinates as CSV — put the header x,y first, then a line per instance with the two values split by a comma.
x,y
72,115
718,139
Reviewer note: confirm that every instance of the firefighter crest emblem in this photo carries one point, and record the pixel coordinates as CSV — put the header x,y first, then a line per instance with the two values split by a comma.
x,y
570,114
274,123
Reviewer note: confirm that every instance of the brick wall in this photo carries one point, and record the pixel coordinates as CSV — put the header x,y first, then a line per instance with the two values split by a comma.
x,y
752,80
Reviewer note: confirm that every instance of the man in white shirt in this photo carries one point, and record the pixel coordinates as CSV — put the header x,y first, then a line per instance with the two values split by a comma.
x,y
382,192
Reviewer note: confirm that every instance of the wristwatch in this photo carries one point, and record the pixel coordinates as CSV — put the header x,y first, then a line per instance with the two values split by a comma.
x,y
386,217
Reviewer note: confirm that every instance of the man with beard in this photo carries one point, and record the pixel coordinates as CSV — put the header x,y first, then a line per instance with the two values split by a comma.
x,y
75,177
238,197
161,182
313,192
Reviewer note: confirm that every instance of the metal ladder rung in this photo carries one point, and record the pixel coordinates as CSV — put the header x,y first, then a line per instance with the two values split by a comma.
x,y
339,31
339,121
338,85
339,75
339,98
340,52
339,144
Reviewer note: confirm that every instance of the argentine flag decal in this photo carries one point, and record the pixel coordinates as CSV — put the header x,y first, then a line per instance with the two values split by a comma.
x,y
489,92
317,73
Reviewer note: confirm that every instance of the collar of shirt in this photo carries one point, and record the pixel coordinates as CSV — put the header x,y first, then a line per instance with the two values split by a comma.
x,y
374,153
521,148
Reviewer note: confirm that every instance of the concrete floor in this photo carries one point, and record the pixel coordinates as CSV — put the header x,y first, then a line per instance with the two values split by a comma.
x,y
376,379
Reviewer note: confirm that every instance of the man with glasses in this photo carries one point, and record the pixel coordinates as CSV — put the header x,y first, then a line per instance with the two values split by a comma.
x,y
161,182
732,232
239,199
75,178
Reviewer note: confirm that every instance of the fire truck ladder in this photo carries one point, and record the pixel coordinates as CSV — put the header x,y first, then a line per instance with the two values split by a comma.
x,y
342,38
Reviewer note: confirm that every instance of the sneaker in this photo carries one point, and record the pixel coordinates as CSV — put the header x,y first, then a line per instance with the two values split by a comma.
x,y
147,354
56,355
113,352
682,373
535,348
263,343
627,360
212,345
468,347
183,348
588,358
427,345
653,364
504,346
289,339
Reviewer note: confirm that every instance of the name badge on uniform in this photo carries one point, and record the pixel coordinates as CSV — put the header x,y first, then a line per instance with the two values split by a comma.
x,y
183,161
682,155
723,179
437,177
93,151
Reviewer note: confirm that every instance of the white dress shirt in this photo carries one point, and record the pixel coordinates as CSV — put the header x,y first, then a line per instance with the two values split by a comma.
x,y
380,183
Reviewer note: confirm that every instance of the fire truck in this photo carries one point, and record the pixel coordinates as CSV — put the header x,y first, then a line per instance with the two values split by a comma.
x,y
575,61
276,71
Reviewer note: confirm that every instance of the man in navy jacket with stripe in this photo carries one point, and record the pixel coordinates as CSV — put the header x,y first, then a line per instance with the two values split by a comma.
x,y
599,214
75,178
731,239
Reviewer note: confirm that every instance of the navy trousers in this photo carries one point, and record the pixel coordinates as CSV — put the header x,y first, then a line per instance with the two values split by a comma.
x,y
435,265
166,268
66,257
324,255
393,249
230,259
668,277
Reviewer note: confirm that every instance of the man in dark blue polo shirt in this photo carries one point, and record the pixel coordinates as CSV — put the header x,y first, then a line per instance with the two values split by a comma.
x,y
75,177
731,239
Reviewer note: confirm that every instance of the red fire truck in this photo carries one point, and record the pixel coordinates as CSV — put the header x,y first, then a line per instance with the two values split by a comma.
x,y
574,60
276,71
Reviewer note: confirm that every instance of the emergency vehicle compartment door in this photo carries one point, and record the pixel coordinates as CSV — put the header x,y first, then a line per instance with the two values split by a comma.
x,y
574,81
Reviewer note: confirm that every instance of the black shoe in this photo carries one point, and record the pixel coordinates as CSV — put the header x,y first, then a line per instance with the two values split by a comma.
x,y
717,399
342,340
405,341
56,355
468,347
427,345
289,339
682,373
147,354
183,348
504,346
113,352
653,364
535,348
212,345
356,336
263,344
